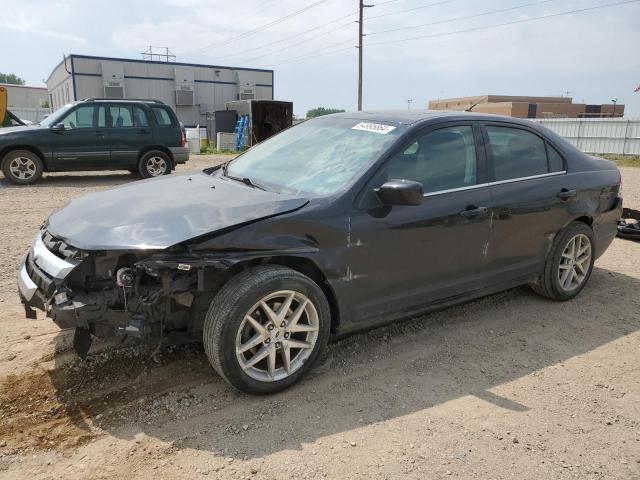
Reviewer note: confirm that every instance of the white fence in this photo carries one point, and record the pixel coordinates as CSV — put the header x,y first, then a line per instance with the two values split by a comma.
x,y
599,135
34,115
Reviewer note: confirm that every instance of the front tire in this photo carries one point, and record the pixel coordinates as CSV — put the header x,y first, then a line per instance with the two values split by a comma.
x,y
154,164
265,328
22,167
568,265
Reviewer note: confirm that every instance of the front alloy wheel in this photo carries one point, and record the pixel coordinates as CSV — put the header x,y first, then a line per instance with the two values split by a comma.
x,y
265,328
277,336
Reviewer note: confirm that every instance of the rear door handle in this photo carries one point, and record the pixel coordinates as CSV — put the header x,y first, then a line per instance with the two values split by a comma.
x,y
142,132
565,194
473,211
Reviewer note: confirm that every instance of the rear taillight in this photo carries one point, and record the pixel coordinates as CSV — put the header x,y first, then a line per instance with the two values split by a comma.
x,y
183,138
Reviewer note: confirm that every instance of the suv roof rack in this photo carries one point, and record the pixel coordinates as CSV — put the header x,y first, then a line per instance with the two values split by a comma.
x,y
92,99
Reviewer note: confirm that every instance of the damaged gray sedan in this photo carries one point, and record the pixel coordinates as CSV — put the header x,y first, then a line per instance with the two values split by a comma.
x,y
338,224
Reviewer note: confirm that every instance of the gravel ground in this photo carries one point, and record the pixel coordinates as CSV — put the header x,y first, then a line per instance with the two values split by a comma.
x,y
509,386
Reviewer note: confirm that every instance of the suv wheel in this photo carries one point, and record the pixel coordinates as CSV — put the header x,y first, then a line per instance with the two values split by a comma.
x,y
22,167
265,328
569,263
154,164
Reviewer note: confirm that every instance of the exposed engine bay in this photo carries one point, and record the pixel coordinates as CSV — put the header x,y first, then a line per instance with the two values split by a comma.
x,y
139,293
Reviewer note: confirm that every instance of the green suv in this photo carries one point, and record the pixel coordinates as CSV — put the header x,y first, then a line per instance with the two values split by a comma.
x,y
142,136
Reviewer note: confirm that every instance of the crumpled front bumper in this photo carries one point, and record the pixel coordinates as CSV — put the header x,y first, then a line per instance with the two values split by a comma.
x,y
40,274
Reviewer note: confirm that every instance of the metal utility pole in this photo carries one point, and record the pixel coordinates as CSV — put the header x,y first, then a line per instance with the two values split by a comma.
x,y
615,101
360,35
409,102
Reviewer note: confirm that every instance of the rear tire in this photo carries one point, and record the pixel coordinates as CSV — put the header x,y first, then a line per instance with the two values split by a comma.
x,y
568,265
262,350
22,167
154,163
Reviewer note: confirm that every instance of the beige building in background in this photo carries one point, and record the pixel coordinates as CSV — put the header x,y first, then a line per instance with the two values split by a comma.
x,y
24,96
528,107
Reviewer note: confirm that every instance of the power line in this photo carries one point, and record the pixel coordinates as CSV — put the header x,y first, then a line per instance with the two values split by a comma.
x,y
258,29
397,12
467,30
372,33
513,22
286,47
295,36
466,17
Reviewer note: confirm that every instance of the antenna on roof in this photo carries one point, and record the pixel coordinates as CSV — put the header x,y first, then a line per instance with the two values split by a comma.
x,y
161,54
470,109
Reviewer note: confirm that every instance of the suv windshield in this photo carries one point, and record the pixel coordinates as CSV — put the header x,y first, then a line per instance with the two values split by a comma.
x,y
57,115
317,157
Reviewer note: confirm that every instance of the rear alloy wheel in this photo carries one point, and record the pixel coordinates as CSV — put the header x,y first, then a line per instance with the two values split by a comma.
x,y
154,164
574,263
569,263
22,167
265,328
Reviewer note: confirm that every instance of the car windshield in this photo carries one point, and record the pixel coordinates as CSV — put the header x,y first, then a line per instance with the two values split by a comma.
x,y
55,116
317,157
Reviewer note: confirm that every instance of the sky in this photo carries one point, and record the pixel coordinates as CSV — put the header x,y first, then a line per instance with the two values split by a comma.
x,y
310,44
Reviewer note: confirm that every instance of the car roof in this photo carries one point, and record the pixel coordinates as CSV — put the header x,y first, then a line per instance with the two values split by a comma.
x,y
412,117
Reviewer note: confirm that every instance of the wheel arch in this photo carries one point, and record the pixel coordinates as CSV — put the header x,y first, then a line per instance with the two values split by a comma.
x,y
303,265
30,148
587,220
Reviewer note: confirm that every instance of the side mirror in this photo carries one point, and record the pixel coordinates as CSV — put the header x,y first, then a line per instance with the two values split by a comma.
x,y
58,128
400,192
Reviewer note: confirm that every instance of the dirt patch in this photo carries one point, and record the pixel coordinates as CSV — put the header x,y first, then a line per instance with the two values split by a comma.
x,y
61,408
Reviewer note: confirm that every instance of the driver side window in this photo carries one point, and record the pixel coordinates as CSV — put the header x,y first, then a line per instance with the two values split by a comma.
x,y
81,117
442,159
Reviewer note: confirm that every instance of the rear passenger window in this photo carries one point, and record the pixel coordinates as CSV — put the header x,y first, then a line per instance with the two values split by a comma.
x,y
121,116
556,164
516,153
162,116
139,117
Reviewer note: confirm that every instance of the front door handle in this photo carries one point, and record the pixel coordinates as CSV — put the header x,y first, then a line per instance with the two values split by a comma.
x,y
472,211
565,194
142,132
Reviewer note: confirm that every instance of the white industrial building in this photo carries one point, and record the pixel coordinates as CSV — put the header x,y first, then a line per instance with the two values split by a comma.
x,y
26,102
192,90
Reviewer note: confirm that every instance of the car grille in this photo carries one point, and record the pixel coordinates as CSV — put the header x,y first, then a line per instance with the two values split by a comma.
x,y
59,248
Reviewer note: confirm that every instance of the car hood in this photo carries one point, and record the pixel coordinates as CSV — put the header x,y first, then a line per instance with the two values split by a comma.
x,y
161,212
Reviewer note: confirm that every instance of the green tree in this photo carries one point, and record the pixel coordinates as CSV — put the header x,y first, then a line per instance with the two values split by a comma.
x,y
318,112
11,78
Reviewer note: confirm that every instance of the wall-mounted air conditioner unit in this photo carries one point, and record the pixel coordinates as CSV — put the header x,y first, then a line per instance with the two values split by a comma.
x,y
185,86
113,80
185,94
246,86
114,89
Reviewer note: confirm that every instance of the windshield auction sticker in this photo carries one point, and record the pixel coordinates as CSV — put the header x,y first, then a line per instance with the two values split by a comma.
x,y
373,127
